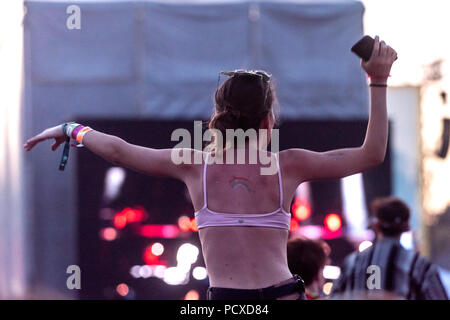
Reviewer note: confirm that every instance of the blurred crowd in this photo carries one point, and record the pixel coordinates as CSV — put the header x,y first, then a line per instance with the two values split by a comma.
x,y
385,270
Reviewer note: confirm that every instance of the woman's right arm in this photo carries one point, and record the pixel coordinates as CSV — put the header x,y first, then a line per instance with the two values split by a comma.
x,y
119,152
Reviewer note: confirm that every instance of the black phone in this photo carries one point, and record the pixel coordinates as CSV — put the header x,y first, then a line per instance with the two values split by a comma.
x,y
364,47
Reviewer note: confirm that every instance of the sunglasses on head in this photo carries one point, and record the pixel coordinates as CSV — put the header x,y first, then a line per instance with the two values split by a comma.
x,y
259,73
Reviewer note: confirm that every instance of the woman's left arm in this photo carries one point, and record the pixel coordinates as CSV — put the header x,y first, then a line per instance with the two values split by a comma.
x,y
305,165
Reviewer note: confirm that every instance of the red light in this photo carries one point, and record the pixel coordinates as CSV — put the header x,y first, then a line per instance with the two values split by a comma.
x,y
120,220
184,223
122,289
302,212
129,215
168,231
134,215
194,225
108,234
294,225
149,257
333,222
301,209
192,295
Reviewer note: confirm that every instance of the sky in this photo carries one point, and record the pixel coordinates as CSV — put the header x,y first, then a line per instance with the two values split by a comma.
x,y
416,29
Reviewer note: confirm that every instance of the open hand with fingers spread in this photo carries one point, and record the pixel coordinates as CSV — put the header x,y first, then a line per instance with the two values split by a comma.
x,y
50,133
380,62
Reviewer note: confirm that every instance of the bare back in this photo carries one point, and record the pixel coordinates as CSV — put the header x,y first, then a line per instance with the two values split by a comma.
x,y
243,257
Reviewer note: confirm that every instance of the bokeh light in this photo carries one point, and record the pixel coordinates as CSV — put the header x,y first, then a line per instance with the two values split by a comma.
x,y
108,234
327,287
157,249
184,223
293,225
333,222
122,289
364,245
192,295
199,273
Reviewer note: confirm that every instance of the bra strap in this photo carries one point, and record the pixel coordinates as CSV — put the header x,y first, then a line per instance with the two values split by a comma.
x,y
204,181
279,181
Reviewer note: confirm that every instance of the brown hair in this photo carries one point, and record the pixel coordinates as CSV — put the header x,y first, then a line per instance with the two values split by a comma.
x,y
242,102
392,215
306,257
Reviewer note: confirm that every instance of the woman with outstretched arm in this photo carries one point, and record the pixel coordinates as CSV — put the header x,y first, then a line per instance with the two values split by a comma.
x,y
242,215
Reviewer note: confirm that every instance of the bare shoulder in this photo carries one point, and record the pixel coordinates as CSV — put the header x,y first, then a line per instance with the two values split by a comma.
x,y
291,161
303,165
290,158
190,160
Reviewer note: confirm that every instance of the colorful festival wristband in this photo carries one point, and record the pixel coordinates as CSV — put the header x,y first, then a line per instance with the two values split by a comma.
x,y
80,135
75,131
69,127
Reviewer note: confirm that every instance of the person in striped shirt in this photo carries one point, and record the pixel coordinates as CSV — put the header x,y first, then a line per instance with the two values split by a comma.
x,y
386,266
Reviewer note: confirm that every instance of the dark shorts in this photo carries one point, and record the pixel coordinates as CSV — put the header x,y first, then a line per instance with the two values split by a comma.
x,y
268,293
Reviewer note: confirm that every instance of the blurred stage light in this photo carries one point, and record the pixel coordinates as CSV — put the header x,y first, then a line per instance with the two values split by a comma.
x,y
149,257
135,271
199,273
108,234
407,240
364,245
331,272
184,223
106,213
159,271
187,254
145,271
120,220
192,295
122,289
129,215
114,179
301,207
194,225
333,222
302,212
327,288
157,249
311,231
354,204
135,214
167,231
175,276
293,225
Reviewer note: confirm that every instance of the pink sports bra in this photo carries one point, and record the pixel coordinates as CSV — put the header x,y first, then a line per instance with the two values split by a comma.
x,y
208,218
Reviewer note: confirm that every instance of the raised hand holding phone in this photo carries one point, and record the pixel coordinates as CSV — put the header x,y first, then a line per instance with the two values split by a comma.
x,y
363,48
379,65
